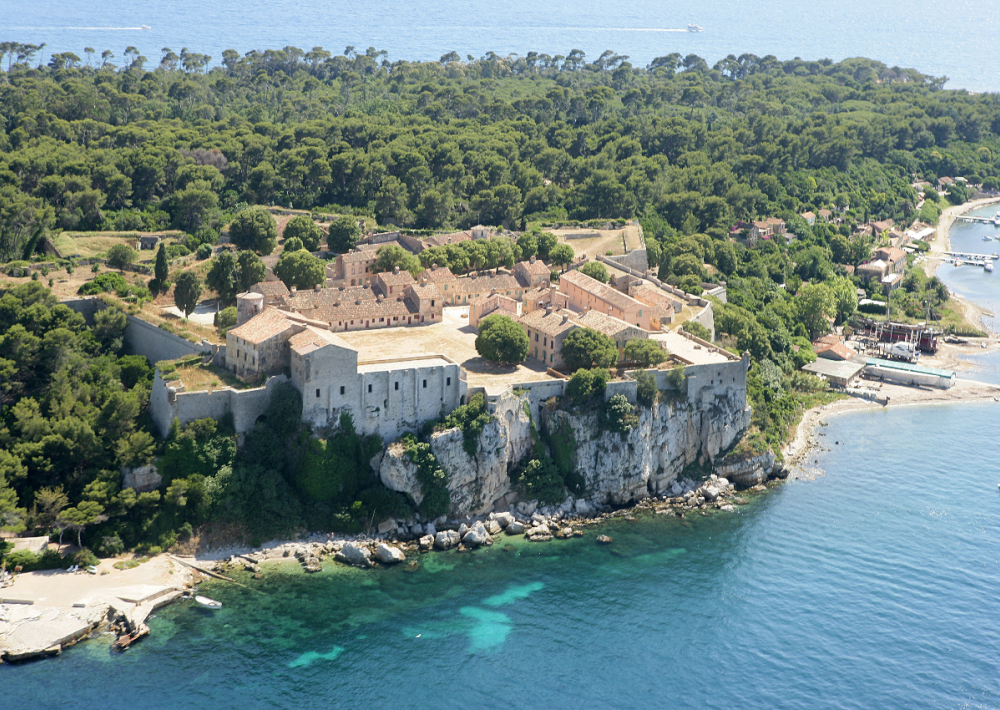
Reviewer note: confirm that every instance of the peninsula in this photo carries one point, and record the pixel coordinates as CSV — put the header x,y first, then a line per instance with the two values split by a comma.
x,y
381,308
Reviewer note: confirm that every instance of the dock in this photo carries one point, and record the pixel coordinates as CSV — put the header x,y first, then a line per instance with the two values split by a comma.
x,y
972,256
982,220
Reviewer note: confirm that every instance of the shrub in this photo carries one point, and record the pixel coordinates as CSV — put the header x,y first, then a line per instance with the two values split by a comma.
x,y
110,545
105,283
300,269
121,256
472,418
226,318
644,352
293,244
204,252
595,270
646,389
675,377
619,415
585,384
31,561
305,230
586,347
501,340
255,230
697,330
433,479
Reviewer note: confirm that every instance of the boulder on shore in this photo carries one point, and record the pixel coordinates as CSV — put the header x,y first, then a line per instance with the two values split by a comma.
x,y
389,555
446,539
355,555
476,535
515,528
426,542
504,519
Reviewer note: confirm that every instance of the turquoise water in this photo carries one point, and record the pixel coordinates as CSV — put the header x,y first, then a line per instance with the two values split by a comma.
x,y
956,39
973,282
873,586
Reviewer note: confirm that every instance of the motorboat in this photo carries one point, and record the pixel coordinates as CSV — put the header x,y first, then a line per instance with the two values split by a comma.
x,y
698,28
208,603
145,27
988,266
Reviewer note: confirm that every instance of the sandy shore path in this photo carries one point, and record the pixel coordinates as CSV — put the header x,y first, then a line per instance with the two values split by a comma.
x,y
797,451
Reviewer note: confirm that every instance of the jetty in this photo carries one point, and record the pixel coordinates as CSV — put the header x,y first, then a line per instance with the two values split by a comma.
x,y
972,256
995,221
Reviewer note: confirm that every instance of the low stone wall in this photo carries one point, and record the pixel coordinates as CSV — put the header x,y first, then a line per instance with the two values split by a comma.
x,y
142,338
166,404
636,260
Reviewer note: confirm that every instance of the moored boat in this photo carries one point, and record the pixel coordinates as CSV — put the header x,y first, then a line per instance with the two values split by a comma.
x,y
208,603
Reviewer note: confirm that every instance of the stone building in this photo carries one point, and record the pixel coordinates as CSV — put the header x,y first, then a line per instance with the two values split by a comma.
x,y
585,293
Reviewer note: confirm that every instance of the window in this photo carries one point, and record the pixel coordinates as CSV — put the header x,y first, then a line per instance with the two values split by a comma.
x,y
448,382
536,337
545,342
369,389
342,389
640,313
317,394
432,304
396,387
425,384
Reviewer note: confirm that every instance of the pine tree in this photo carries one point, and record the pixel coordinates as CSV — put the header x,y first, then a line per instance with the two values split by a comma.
x,y
161,270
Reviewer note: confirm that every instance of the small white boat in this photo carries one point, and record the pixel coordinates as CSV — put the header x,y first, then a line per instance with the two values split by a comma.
x,y
698,28
208,603
988,266
145,27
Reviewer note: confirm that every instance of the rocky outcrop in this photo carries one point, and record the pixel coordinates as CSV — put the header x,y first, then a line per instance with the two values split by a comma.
x,y
616,469
620,469
747,472
474,483
142,478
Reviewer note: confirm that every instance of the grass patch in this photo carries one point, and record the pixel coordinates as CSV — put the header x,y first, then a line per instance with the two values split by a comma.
x,y
130,564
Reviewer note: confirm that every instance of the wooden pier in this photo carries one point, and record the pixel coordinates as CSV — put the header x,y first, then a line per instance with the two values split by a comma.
x,y
971,255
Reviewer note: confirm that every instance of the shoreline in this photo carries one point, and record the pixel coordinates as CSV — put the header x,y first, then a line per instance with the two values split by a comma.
x,y
948,356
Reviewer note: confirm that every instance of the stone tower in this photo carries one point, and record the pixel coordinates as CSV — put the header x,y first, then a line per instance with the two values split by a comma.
x,y
248,305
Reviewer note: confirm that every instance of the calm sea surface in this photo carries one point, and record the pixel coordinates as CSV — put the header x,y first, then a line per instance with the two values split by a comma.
x,y
957,39
873,586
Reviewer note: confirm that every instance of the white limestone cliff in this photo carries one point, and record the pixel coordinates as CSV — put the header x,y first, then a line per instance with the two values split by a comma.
x,y
616,469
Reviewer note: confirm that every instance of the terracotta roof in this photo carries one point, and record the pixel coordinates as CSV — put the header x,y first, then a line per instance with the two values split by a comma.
x,y
437,274
551,324
441,239
364,310
877,265
312,339
774,220
537,267
262,327
486,283
403,278
806,215
353,257
324,298
890,254
655,297
425,291
836,351
602,322
602,291
270,289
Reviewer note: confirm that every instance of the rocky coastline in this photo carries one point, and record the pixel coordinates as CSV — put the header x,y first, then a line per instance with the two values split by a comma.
x,y
534,523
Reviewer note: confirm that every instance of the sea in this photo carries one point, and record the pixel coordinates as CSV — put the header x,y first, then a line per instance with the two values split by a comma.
x,y
871,583
955,39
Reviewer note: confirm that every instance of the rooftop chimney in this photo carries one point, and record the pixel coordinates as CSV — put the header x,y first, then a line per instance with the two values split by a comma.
x,y
358,302
434,267
565,317
532,259
293,291
316,288
380,298
423,280
548,310
395,270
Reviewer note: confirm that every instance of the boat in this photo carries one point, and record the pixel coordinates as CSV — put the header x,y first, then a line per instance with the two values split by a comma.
x,y
208,603
698,28
988,266
145,27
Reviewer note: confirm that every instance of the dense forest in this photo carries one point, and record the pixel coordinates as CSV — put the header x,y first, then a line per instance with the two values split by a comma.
x,y
127,144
